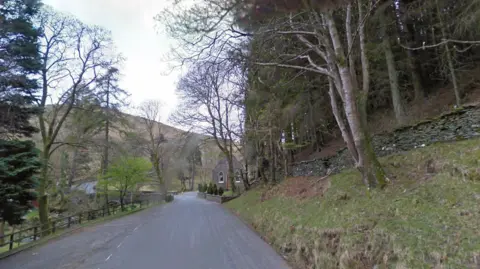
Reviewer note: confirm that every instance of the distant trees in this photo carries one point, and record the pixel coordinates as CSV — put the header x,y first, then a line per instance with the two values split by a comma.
x,y
208,105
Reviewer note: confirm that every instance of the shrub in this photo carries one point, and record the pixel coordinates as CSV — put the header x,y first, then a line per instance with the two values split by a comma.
x,y
215,189
210,189
220,191
169,198
205,187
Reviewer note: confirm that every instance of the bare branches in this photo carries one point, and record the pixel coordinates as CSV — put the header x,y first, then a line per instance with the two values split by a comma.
x,y
444,42
317,68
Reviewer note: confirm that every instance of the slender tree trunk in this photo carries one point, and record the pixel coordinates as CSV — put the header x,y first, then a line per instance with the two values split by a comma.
x,y
448,54
231,173
192,181
392,72
363,95
416,79
351,59
366,162
122,202
405,26
2,232
42,193
106,145
73,168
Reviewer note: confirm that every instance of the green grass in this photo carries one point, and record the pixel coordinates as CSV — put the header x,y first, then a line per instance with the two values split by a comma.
x,y
418,221
228,193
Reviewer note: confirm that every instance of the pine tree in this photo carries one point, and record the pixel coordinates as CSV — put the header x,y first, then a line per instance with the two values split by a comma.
x,y
20,62
18,165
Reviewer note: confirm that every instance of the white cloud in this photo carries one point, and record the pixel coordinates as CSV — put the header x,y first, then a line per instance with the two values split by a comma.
x,y
133,29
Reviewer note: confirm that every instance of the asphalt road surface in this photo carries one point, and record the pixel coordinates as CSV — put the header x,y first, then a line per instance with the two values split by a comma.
x,y
189,233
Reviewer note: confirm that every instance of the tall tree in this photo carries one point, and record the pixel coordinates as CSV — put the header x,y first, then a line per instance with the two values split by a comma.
x,y
208,106
20,62
111,98
74,56
150,112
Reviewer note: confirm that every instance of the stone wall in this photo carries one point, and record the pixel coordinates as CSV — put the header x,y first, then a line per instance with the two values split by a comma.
x,y
452,126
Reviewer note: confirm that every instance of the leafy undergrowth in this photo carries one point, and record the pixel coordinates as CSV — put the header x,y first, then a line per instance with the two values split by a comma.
x,y
428,216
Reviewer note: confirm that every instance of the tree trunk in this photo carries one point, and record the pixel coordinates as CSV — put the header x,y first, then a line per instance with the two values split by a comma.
x,y
392,72
246,183
366,162
231,173
107,142
2,232
405,26
122,202
350,41
73,168
158,172
448,54
42,193
192,181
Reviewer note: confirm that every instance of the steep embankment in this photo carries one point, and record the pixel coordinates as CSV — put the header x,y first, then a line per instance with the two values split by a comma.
x,y
428,216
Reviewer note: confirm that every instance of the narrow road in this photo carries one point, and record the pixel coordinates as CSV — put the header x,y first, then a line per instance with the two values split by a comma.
x,y
188,233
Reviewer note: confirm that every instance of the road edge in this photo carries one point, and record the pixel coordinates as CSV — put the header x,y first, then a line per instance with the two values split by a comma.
x,y
69,231
246,223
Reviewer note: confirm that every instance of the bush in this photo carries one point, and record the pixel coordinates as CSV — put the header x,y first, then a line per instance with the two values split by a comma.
x,y
220,191
215,189
210,189
205,187
169,198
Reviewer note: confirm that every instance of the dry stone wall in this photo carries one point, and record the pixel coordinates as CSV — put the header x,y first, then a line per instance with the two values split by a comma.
x,y
456,125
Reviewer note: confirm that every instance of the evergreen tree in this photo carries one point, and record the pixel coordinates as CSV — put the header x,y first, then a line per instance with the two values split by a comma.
x,y
20,61
18,165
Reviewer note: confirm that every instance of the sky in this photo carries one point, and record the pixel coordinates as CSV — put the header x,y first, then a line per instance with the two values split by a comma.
x,y
146,75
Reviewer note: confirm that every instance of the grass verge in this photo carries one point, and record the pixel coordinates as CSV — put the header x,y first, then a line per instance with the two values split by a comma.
x,y
428,217
4,252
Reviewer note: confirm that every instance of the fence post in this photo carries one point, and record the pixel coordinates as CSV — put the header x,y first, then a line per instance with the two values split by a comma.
x,y
69,221
11,242
53,227
35,233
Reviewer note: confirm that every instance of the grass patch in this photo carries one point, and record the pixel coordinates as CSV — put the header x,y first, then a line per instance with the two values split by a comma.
x,y
428,217
228,193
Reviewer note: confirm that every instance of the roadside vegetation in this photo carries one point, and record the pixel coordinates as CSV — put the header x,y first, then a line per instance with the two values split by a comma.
x,y
427,217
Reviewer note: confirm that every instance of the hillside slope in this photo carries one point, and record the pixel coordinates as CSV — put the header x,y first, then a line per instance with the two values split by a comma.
x,y
130,137
428,216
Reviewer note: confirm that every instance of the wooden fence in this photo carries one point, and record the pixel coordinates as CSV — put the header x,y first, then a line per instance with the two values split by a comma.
x,y
35,232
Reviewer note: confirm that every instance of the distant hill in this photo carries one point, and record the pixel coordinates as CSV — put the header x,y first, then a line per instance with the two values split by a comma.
x,y
86,167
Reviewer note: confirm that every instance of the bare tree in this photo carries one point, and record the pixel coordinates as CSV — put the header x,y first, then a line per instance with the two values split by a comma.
x,y
208,106
150,111
325,53
73,55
